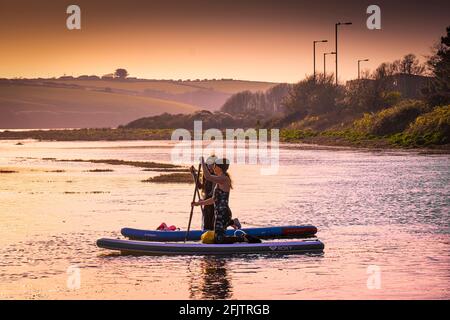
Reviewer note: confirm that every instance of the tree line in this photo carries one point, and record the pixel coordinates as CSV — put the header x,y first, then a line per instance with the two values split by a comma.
x,y
318,104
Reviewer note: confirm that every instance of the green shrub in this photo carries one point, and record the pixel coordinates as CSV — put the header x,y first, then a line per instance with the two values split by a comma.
x,y
437,120
392,98
392,120
290,135
348,134
432,128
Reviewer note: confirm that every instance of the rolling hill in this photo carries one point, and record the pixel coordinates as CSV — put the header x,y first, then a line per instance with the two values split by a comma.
x,y
206,94
76,103
172,87
30,106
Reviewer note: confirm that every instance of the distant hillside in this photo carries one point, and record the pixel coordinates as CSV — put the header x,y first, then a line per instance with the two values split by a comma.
x,y
170,86
206,94
242,110
58,103
34,106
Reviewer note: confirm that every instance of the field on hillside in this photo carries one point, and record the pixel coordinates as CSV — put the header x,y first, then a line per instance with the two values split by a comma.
x,y
174,87
24,106
52,103
208,94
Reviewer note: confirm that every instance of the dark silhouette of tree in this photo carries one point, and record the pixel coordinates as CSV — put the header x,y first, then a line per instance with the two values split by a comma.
x,y
410,65
264,103
121,73
237,103
275,98
385,70
438,91
313,97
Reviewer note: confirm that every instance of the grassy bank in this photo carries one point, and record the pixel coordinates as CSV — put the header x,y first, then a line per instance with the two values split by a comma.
x,y
347,138
409,124
420,129
105,134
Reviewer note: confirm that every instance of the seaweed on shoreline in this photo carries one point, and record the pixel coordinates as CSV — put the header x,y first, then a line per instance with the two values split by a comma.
x,y
86,192
139,164
168,170
100,170
8,171
171,178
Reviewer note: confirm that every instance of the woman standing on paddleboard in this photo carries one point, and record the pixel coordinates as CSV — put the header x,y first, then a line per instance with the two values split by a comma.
x,y
220,200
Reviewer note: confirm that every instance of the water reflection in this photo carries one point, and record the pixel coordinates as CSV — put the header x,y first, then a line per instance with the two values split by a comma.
x,y
212,280
215,277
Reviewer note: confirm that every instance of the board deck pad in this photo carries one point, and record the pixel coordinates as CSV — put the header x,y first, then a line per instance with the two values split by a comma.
x,y
281,232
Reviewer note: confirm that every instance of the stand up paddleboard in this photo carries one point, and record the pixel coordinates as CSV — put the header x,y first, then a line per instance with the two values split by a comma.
x,y
194,235
158,248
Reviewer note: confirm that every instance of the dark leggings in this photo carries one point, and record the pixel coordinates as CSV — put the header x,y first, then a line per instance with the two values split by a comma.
x,y
223,220
208,217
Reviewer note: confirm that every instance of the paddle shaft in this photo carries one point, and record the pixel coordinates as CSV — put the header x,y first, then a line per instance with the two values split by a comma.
x,y
197,177
193,199
198,192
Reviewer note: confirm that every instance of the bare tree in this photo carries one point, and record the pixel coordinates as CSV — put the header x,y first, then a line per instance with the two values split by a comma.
x,y
411,65
438,90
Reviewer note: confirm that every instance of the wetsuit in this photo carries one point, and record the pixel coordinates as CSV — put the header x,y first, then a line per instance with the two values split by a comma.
x,y
222,214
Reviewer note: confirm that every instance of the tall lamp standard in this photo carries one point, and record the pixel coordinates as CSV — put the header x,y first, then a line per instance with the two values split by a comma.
x,y
359,67
336,43
314,55
325,61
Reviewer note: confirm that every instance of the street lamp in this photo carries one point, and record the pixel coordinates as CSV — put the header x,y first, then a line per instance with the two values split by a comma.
x,y
325,61
359,67
336,43
314,54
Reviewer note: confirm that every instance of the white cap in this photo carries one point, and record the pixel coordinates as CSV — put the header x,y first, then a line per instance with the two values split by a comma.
x,y
211,160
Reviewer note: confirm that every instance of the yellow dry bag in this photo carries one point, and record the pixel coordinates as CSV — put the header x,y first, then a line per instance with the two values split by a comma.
x,y
208,237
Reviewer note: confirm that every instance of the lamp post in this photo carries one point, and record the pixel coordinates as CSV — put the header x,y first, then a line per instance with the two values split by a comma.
x,y
336,44
359,67
325,61
314,55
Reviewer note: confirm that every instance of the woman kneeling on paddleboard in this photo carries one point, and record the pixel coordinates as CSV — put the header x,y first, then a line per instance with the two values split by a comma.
x,y
220,200
207,188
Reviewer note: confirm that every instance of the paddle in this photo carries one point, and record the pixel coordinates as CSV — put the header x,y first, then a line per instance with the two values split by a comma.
x,y
195,176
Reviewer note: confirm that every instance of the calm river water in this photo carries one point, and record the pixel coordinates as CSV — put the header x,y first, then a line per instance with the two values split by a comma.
x,y
383,216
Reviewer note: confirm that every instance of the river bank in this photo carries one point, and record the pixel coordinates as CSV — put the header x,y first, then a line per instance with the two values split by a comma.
x,y
326,139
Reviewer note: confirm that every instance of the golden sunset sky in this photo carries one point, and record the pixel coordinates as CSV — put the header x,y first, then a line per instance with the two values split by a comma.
x,y
246,39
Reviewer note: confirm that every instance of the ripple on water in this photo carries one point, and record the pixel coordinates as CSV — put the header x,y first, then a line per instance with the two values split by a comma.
x,y
387,210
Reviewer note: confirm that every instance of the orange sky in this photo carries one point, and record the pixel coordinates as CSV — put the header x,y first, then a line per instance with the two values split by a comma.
x,y
246,39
